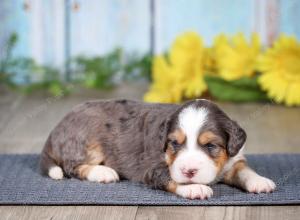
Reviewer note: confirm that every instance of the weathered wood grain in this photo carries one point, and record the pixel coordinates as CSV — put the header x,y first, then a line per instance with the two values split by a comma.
x,y
223,212
67,212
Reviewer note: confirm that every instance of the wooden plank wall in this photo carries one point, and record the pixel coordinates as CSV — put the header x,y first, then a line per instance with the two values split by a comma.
x,y
98,26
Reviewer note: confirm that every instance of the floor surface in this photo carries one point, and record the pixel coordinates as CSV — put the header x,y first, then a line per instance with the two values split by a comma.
x,y
25,122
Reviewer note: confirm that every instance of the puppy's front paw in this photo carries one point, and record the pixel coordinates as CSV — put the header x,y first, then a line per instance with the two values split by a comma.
x,y
194,191
259,184
103,174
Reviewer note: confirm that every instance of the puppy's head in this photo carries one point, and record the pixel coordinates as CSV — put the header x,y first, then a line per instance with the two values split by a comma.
x,y
201,138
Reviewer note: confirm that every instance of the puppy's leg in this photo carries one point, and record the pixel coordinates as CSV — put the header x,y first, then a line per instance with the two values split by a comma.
x,y
97,173
242,176
49,167
159,178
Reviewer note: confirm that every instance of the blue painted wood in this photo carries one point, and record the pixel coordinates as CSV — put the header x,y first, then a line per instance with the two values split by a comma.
x,y
67,39
4,12
208,18
100,26
290,17
14,19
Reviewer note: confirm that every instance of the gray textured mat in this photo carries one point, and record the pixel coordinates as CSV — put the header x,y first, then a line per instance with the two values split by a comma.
x,y
20,183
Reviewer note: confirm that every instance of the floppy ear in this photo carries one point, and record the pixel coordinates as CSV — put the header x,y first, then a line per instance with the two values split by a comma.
x,y
236,137
156,133
163,136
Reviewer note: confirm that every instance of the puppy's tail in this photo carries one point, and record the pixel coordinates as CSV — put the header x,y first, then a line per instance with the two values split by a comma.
x,y
48,165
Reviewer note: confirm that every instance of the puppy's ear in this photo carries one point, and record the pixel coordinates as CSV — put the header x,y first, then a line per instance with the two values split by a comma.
x,y
156,133
163,134
236,137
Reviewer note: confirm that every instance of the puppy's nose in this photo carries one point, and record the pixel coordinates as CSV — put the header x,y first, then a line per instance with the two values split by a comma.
x,y
189,173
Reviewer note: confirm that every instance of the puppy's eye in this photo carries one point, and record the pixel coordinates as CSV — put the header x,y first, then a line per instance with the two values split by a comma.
x,y
210,146
175,144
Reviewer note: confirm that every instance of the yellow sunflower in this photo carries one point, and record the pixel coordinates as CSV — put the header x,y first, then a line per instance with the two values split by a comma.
x,y
236,58
280,67
210,54
182,77
165,87
209,61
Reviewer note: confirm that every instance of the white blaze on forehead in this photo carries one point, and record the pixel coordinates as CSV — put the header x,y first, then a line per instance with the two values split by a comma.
x,y
191,120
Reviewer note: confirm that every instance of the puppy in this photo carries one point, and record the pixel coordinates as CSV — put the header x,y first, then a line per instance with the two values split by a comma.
x,y
178,148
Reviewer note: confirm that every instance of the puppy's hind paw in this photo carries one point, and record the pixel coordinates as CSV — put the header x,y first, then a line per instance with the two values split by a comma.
x,y
56,173
103,174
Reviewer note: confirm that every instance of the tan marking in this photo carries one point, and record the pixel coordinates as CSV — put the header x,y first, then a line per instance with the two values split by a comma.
x,y
172,186
170,157
221,159
83,170
94,154
208,136
231,177
177,135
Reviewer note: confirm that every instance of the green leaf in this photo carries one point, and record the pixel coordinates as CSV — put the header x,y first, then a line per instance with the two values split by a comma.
x,y
138,67
242,90
6,57
56,89
100,71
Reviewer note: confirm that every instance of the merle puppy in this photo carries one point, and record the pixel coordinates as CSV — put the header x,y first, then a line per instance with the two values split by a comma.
x,y
178,148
